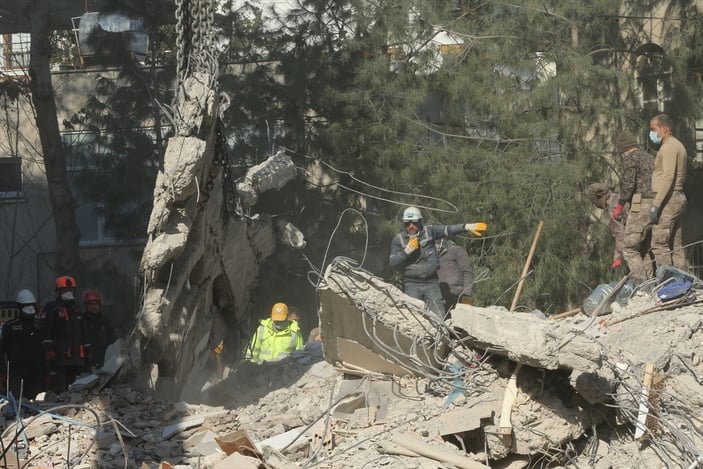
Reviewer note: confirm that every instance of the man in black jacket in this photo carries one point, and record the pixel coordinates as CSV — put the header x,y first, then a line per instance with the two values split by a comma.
x,y
21,349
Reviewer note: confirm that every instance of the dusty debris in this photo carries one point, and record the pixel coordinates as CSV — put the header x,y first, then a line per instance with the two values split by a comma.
x,y
304,411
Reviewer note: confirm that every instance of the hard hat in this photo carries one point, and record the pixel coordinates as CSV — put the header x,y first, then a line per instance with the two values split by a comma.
x,y
91,296
25,297
65,282
412,214
279,312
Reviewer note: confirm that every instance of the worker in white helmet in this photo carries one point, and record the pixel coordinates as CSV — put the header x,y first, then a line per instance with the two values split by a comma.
x,y
22,349
414,253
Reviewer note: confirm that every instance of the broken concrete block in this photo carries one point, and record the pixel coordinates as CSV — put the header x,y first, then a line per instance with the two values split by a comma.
x,y
42,425
462,419
202,442
291,439
290,235
183,162
273,173
389,327
539,343
178,427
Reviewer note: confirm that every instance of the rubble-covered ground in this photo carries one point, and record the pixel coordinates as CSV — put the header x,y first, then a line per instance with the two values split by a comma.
x,y
574,400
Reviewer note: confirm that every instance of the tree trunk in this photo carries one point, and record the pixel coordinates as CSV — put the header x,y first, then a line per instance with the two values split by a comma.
x,y
62,202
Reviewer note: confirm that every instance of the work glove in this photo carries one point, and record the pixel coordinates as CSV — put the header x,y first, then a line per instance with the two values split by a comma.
x,y
616,263
476,228
50,355
466,300
412,246
654,214
617,212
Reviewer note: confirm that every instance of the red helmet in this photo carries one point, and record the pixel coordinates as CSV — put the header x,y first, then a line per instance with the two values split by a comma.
x,y
92,296
65,282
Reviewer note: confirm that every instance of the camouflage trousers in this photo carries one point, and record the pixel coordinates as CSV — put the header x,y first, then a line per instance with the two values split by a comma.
x,y
666,234
636,242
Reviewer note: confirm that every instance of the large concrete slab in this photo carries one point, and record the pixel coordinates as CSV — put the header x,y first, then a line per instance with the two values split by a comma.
x,y
536,342
371,325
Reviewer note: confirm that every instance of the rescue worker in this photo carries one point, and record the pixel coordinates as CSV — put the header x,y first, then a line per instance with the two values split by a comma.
x,y
98,332
61,333
456,278
635,190
603,197
21,349
414,253
668,177
275,338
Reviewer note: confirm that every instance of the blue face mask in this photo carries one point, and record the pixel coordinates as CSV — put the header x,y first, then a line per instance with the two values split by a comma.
x,y
656,139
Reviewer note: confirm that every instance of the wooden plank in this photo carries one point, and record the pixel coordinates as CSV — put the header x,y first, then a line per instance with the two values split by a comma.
x,y
641,426
505,426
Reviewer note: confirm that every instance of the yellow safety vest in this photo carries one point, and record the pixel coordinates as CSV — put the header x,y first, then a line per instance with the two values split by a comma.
x,y
270,344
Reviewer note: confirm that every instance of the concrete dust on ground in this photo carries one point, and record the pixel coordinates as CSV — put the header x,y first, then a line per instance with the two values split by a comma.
x,y
511,390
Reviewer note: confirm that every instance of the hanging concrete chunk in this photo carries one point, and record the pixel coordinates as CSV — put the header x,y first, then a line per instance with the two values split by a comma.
x,y
273,173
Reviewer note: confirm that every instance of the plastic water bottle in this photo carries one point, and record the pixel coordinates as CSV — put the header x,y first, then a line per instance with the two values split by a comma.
x,y
599,293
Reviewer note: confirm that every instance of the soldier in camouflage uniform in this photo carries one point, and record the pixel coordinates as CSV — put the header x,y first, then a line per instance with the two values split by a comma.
x,y
604,198
636,188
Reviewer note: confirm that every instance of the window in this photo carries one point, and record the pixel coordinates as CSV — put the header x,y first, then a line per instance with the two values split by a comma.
x,y
112,182
15,48
10,177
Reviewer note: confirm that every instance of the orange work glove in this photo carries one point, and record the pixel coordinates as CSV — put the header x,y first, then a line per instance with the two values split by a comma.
x,y
412,246
476,228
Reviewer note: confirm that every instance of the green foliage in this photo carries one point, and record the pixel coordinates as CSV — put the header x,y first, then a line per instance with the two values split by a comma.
x,y
509,124
120,150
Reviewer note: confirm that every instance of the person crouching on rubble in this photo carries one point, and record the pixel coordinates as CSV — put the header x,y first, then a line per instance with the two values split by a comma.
x,y
275,338
62,336
98,332
414,253
21,349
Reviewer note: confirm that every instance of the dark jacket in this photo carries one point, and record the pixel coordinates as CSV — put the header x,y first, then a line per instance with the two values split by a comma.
x,y
61,332
422,264
98,333
21,345
455,273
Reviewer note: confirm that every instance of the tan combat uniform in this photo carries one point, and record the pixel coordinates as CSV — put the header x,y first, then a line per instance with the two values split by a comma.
x,y
667,183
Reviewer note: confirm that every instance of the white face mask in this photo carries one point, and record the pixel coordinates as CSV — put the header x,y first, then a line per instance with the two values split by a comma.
x,y
67,296
29,309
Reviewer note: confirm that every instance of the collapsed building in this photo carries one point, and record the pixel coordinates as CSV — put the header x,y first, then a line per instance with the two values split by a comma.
x,y
395,387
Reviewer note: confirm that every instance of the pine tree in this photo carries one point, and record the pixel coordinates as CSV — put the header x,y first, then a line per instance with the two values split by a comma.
x,y
509,122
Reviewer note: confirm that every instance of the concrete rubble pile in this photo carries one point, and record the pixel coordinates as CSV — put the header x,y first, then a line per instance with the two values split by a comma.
x,y
487,388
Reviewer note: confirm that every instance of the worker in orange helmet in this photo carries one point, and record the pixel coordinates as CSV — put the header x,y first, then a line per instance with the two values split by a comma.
x,y
276,337
62,335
